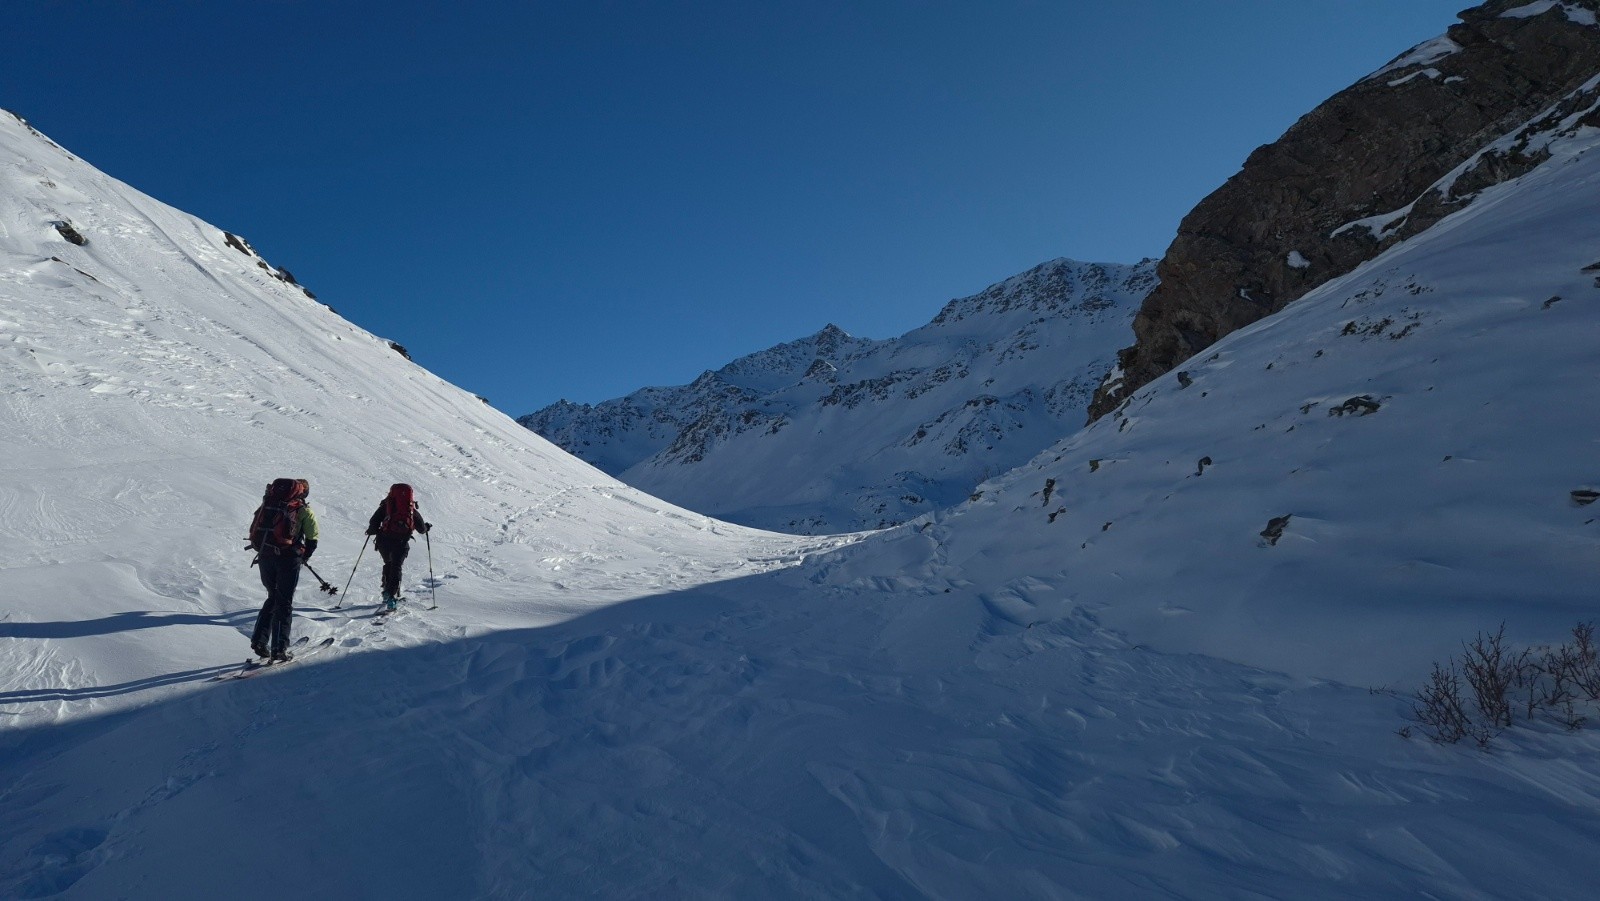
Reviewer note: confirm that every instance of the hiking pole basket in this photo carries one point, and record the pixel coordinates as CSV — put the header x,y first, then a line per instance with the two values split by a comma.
x,y
331,589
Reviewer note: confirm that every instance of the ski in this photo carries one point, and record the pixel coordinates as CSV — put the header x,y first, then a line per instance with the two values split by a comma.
x,y
301,649
384,613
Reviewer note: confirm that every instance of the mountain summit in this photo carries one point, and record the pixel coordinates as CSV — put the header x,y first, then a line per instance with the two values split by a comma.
x,y
833,433
1172,654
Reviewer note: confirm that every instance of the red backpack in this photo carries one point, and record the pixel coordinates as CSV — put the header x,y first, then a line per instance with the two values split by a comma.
x,y
276,525
399,511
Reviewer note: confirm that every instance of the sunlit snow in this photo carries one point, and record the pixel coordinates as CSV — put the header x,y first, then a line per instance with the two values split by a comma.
x,y
1097,679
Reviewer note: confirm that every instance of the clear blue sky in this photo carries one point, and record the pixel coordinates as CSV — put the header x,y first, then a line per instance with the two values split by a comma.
x,y
576,199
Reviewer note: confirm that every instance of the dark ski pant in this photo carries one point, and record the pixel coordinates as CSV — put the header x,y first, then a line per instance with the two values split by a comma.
x,y
280,574
393,548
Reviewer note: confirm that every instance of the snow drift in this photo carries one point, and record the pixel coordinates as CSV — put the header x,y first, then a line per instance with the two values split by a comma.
x,y
617,698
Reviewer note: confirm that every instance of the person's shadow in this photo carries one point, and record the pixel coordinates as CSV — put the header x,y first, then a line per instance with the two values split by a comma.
x,y
34,696
123,622
241,620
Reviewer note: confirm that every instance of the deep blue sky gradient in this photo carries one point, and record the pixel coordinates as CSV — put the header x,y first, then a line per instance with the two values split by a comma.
x,y
576,199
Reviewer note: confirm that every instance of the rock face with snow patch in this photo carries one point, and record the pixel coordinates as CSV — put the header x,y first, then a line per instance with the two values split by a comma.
x,y
1378,162
836,433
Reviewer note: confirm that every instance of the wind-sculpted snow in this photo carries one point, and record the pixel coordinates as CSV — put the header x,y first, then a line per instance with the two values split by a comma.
x,y
620,699
1352,487
763,738
834,433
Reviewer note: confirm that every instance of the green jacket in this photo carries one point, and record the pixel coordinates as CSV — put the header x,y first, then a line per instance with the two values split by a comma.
x,y
308,525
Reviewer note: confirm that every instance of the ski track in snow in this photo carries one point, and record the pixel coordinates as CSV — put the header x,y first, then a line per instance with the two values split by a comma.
x,y
840,759
620,698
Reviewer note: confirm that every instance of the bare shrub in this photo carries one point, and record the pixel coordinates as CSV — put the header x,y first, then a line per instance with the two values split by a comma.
x,y
1494,673
1585,662
1438,708
1557,691
1480,696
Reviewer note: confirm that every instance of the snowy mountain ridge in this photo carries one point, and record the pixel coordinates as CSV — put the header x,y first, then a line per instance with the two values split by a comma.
x,y
835,433
1372,471
1165,657
1271,233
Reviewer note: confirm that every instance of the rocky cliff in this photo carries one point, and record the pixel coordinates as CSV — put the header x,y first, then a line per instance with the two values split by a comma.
x,y
1378,162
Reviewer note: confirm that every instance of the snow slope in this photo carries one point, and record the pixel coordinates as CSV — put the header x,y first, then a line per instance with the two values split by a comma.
x,y
158,376
1422,422
834,433
619,699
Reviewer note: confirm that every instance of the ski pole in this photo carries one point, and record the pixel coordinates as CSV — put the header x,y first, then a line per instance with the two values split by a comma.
x,y
353,570
325,586
433,586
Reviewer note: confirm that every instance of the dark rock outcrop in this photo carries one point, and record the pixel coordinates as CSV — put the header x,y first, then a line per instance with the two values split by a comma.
x,y
71,234
1291,219
1274,529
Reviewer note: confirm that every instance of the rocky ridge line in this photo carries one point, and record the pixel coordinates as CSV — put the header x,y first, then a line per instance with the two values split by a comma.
x,y
1380,154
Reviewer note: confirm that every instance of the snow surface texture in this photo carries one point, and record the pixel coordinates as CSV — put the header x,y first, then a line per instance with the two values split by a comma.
x,y
620,699
834,433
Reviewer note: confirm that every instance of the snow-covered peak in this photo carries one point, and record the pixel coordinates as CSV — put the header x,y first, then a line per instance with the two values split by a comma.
x,y
778,367
1348,489
975,705
833,433
1059,287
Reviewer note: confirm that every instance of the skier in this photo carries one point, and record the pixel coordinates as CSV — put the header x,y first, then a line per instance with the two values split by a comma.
x,y
394,523
284,535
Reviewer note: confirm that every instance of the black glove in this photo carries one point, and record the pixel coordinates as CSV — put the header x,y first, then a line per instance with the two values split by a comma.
x,y
425,528
373,530
311,548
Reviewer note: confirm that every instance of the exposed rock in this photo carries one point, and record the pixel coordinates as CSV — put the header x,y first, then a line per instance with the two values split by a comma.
x,y
1360,405
1583,497
1376,155
821,370
283,275
399,350
1274,529
74,268
238,243
70,233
